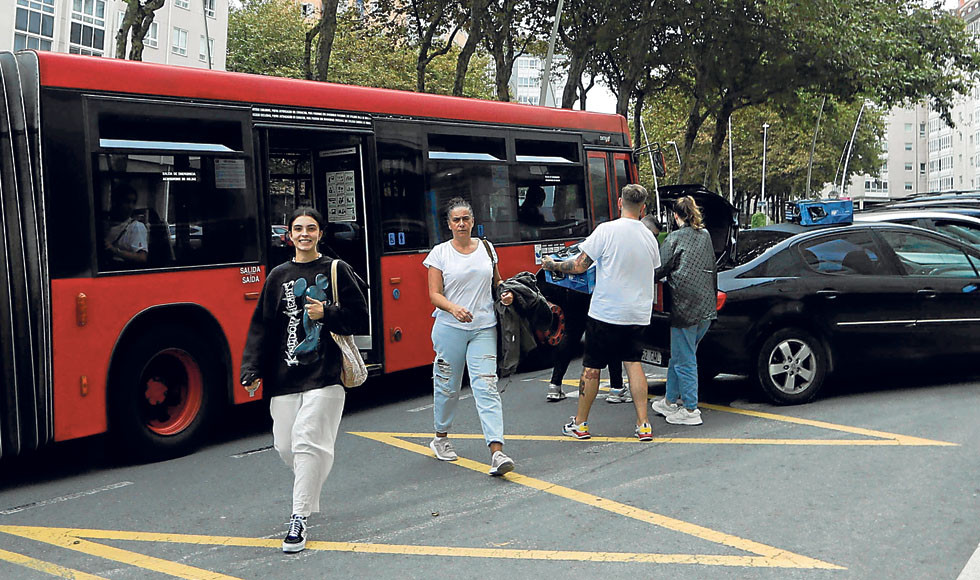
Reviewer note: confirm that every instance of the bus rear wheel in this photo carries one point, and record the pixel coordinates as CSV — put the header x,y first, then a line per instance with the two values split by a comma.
x,y
159,396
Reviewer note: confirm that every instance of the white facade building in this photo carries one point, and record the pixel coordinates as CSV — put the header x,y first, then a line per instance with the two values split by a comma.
x,y
921,153
177,35
904,160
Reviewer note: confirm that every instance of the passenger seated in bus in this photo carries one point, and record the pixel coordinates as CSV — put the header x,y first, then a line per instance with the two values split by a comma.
x,y
530,211
125,235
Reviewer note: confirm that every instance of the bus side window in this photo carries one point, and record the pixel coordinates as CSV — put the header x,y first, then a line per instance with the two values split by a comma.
x,y
173,186
404,223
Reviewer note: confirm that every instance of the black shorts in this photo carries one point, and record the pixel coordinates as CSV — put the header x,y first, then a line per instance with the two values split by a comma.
x,y
607,344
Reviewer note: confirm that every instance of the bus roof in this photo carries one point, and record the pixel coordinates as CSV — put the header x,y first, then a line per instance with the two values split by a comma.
x,y
123,76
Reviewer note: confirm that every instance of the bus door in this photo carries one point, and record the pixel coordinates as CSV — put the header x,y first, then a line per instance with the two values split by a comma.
x,y
339,194
605,185
599,190
324,169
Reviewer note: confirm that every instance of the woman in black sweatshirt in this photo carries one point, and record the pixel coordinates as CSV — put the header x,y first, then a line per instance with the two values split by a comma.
x,y
290,349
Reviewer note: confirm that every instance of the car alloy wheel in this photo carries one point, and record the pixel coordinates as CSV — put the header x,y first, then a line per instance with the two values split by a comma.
x,y
791,366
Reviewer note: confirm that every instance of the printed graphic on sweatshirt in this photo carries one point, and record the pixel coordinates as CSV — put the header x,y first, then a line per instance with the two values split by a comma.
x,y
306,350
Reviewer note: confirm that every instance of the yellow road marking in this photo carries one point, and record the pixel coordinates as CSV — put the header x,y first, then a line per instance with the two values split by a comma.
x,y
883,437
74,540
46,567
768,555
901,439
690,440
51,535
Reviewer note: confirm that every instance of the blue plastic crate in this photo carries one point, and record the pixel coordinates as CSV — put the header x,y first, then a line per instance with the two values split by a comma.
x,y
584,282
812,213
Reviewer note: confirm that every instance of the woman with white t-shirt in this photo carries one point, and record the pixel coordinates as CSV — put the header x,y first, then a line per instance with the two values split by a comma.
x,y
462,274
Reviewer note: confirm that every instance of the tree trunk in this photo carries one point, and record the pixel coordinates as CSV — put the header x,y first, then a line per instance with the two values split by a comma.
x,y
637,115
308,53
576,67
478,9
122,34
711,179
136,23
695,119
327,31
501,75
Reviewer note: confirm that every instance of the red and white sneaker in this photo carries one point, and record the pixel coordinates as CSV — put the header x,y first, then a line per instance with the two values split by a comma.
x,y
575,430
644,432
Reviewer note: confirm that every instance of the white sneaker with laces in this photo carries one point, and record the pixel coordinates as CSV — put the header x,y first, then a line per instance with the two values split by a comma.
x,y
622,395
555,393
500,464
295,540
662,407
684,417
443,449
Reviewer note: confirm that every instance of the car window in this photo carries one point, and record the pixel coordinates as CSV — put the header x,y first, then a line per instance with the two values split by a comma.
x,y
924,256
851,254
965,232
753,243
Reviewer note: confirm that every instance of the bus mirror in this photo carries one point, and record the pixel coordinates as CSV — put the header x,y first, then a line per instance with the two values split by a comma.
x,y
659,164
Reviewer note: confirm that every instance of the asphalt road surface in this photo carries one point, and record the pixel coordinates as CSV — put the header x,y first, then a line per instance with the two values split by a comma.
x,y
876,479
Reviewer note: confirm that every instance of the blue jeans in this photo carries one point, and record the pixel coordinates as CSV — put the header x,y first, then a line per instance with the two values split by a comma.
x,y
476,351
682,371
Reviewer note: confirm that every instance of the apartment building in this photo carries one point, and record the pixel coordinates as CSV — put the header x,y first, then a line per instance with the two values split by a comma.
x,y
183,32
923,154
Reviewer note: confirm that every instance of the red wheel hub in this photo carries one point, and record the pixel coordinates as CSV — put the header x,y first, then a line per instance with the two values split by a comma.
x,y
173,391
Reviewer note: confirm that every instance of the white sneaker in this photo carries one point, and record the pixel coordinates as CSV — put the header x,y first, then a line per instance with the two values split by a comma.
x,y
295,540
622,395
500,464
443,449
684,417
662,407
555,393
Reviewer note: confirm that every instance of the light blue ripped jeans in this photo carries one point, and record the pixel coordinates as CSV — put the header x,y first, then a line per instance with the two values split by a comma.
x,y
477,351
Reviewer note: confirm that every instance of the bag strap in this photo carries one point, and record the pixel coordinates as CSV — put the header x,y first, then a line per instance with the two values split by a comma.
x,y
333,281
486,246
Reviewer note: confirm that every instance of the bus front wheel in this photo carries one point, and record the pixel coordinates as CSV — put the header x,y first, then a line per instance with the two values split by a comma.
x,y
159,396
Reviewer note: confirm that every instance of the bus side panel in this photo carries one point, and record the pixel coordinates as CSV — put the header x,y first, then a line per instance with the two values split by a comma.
x,y
112,302
411,311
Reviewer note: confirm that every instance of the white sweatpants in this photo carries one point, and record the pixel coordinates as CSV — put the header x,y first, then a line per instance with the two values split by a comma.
x,y
304,432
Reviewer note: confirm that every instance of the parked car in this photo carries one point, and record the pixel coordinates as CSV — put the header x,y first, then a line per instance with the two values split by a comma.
x,y
278,236
961,226
798,303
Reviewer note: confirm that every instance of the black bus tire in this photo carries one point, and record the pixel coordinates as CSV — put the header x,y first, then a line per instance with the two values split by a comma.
x,y
162,393
796,378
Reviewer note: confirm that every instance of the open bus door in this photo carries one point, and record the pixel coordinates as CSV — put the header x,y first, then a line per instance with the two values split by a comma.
x,y
338,185
325,170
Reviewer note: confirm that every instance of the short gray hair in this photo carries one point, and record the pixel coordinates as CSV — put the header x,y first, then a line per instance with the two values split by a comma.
x,y
634,195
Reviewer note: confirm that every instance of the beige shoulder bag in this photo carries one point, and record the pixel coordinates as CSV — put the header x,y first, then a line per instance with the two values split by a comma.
x,y
353,373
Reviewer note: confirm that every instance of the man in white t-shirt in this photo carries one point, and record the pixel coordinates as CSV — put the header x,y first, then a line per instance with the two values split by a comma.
x,y
625,253
125,236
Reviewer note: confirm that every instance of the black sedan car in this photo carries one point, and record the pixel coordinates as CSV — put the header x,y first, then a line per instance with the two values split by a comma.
x,y
803,302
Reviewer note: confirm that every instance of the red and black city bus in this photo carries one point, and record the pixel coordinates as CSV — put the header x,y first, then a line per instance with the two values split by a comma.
x,y
210,164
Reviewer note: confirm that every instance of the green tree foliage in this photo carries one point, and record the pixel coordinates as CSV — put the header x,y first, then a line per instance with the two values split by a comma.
x,y
790,136
745,53
366,55
267,37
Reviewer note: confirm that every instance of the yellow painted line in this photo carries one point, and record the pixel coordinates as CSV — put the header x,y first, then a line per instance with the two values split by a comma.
x,y
399,549
689,440
770,556
900,439
894,438
46,567
73,540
